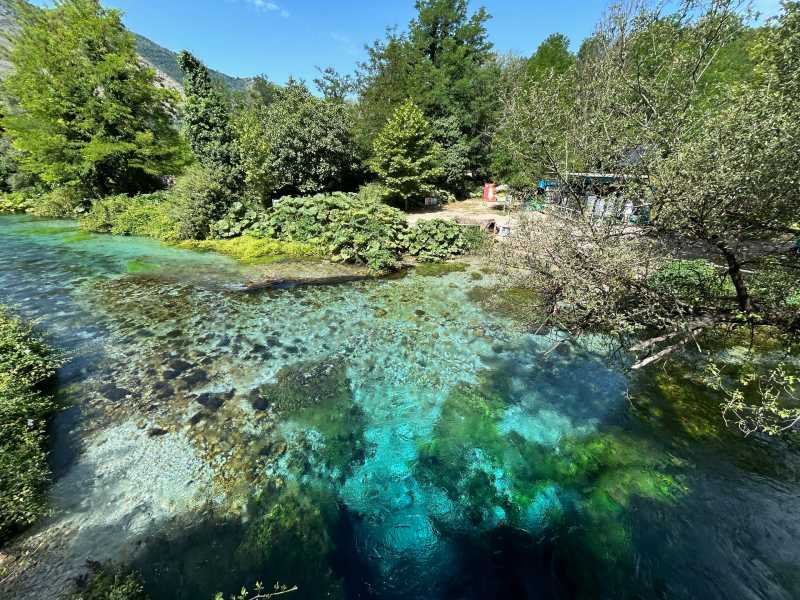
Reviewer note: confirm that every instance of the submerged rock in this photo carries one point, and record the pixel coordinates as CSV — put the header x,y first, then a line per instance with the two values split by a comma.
x,y
196,378
114,393
213,401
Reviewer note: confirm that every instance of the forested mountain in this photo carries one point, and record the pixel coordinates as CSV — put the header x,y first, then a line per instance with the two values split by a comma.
x,y
166,61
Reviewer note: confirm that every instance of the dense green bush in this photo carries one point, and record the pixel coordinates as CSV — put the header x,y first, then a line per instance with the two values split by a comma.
x,y
104,213
15,202
200,200
25,365
370,233
437,240
776,284
372,192
348,228
305,218
691,281
239,219
62,202
297,144
146,215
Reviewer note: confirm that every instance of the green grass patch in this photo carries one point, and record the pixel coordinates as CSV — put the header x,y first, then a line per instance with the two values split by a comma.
x,y
253,250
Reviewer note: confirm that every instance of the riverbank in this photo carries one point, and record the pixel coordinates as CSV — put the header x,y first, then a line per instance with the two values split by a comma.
x,y
26,366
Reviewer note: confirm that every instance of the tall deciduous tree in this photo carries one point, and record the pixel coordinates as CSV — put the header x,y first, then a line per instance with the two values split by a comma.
x,y
719,177
406,157
298,144
207,122
551,57
445,64
84,110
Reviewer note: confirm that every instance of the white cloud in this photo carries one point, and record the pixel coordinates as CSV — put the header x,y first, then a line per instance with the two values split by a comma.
x,y
269,6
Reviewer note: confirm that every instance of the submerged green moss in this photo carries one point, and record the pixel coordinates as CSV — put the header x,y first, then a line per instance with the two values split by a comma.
x,y
514,302
141,266
48,230
439,269
318,396
289,531
466,449
79,237
592,479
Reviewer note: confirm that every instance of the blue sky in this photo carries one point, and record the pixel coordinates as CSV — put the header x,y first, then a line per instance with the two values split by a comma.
x,y
280,38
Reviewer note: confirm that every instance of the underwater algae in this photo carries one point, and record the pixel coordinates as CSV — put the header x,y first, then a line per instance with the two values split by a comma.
x,y
439,269
589,480
314,399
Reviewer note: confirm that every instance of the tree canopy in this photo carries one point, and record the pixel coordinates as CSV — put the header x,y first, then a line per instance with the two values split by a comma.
x,y
552,56
445,65
84,112
207,123
716,178
406,157
297,144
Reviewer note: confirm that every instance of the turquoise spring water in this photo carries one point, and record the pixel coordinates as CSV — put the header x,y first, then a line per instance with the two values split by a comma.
x,y
398,438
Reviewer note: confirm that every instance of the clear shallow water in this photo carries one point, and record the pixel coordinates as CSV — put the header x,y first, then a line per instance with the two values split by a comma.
x,y
381,439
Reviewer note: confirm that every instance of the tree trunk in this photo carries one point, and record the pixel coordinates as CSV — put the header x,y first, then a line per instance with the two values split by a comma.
x,y
735,272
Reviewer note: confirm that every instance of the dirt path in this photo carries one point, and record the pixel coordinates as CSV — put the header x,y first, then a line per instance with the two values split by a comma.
x,y
474,211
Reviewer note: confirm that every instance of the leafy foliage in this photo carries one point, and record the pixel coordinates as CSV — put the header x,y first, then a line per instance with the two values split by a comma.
x,y
551,57
109,583
60,202
239,219
84,111
692,281
437,240
407,159
146,215
305,218
712,161
200,199
350,229
14,202
296,144
370,233
26,363
445,65
759,402
207,123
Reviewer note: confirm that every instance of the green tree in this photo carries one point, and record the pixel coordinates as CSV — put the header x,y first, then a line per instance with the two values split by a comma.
x,y
445,64
207,122
83,110
719,179
406,157
298,144
551,57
